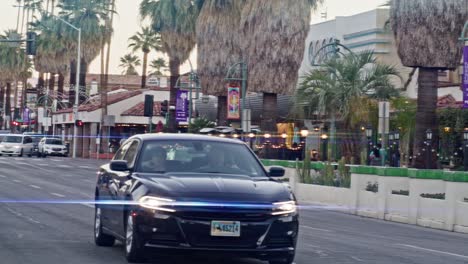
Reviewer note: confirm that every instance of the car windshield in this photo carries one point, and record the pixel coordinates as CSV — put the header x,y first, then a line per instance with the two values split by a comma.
x,y
12,139
198,157
53,141
36,139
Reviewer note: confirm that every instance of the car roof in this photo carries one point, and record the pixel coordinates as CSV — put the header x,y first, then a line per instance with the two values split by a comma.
x,y
150,137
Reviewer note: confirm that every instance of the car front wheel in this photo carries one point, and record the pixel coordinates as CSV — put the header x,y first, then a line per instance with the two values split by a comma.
x,y
134,248
100,238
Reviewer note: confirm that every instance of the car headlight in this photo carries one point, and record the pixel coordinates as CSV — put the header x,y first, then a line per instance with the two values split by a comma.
x,y
17,147
284,208
156,203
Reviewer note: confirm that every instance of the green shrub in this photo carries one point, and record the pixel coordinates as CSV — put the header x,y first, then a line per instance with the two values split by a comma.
x,y
372,187
440,196
304,172
344,173
328,175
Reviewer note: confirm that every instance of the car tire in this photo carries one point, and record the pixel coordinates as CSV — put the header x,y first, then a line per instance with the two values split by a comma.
x,y
101,239
286,260
134,248
21,153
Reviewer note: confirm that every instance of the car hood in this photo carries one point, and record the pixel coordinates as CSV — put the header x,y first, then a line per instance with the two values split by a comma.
x,y
54,146
8,144
215,187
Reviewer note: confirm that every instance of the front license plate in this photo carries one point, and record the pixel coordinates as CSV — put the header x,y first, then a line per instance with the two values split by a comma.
x,y
225,228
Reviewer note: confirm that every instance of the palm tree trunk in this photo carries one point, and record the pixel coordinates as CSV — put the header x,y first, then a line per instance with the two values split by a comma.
x,y
19,14
71,94
174,65
8,100
143,75
60,83
52,8
52,82
222,111
15,97
47,5
22,19
426,118
270,112
83,72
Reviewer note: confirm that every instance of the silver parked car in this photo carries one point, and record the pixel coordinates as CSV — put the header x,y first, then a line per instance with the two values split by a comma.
x,y
16,145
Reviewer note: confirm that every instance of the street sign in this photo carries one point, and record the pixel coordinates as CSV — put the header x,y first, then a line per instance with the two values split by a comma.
x,y
109,121
233,103
152,81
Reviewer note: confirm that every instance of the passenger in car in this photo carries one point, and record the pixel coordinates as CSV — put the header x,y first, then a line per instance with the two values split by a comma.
x,y
155,160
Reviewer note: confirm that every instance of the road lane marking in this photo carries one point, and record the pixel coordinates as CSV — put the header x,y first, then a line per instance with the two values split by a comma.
x,y
18,214
88,205
87,195
56,160
64,166
87,180
357,259
3,176
35,186
17,181
58,194
22,163
434,251
318,229
85,167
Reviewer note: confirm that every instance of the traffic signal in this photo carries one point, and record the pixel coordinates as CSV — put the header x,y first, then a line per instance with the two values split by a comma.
x,y
31,46
149,105
79,123
164,107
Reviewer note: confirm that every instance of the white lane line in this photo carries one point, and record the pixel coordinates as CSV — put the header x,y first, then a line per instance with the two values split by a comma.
x,y
434,251
85,167
357,259
17,181
18,214
42,164
317,229
22,163
35,186
64,166
3,176
58,194
88,205
87,180
56,160
86,195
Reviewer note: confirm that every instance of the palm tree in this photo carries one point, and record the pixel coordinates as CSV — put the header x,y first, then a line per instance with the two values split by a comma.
x,y
128,62
175,21
218,25
158,66
343,89
426,34
146,41
90,16
273,50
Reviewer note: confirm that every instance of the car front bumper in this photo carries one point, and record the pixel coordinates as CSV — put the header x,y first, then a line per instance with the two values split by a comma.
x,y
267,238
55,152
12,151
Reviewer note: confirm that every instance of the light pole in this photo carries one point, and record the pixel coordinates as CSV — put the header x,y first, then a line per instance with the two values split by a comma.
x,y
397,148
369,142
304,134
284,136
428,148
391,137
251,136
324,138
465,149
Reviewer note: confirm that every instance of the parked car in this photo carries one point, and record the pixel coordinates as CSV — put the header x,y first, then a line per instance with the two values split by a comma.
x,y
52,146
16,145
192,193
36,137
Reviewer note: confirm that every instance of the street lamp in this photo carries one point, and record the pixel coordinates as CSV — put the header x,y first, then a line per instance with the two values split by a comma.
x,y
397,148
304,133
369,142
324,138
465,149
77,81
428,148
251,136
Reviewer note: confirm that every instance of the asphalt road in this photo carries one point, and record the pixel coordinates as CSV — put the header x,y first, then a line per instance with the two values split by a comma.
x,y
63,233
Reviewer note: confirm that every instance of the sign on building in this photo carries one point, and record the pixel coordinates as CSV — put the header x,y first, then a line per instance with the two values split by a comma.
x,y
152,81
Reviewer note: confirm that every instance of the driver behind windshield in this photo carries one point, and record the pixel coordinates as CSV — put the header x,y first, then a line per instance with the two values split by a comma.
x,y
155,160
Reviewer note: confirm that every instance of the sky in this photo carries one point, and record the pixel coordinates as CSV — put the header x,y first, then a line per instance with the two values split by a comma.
x,y
127,23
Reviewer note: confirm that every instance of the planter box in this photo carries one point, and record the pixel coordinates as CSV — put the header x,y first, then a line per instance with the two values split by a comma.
x,y
397,206
431,212
462,215
367,204
323,194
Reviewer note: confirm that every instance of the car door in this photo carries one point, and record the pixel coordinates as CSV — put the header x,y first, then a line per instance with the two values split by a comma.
x,y
106,187
123,183
27,145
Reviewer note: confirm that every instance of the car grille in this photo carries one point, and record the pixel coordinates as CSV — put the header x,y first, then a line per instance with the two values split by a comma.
x,y
224,215
279,242
56,149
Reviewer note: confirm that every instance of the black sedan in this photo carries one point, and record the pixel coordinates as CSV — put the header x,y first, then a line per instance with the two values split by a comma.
x,y
194,194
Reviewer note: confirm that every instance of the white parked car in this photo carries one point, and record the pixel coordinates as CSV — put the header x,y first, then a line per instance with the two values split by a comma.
x,y
52,146
16,145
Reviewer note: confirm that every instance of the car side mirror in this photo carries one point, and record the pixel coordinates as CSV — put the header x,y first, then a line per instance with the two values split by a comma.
x,y
276,172
119,165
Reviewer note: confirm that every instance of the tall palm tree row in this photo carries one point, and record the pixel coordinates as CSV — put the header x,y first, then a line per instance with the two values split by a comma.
x,y
426,34
218,26
175,21
90,16
344,89
146,41
128,63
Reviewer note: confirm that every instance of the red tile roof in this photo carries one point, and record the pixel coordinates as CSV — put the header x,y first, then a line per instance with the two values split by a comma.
x,y
138,110
111,99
